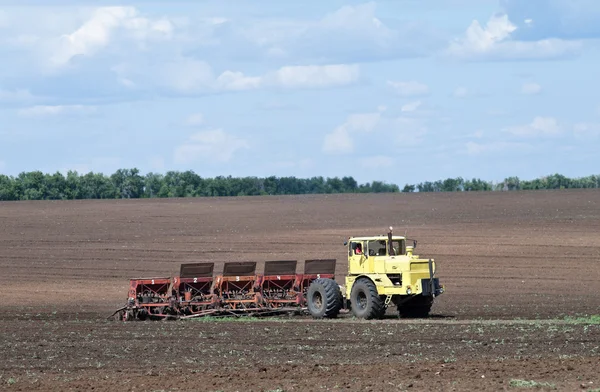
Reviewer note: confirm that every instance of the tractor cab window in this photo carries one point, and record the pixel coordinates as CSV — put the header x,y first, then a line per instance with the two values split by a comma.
x,y
377,248
398,247
356,248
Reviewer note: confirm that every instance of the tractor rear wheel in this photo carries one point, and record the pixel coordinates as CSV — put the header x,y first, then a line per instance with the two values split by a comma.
x,y
418,307
324,298
365,301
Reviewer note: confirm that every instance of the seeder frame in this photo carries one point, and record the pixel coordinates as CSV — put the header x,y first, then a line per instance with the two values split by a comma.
x,y
197,291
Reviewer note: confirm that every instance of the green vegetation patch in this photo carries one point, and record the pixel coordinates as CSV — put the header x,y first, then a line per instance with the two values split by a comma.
x,y
530,384
586,319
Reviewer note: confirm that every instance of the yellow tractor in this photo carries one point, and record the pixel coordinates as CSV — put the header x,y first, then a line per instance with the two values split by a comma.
x,y
381,270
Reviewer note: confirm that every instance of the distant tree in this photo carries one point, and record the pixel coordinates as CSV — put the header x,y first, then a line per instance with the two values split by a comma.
x,y
129,183
426,186
477,184
452,185
334,185
32,185
7,188
512,184
153,182
56,186
350,184
72,185
408,188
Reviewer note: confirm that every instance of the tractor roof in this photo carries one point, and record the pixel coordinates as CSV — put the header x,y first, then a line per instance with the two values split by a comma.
x,y
377,238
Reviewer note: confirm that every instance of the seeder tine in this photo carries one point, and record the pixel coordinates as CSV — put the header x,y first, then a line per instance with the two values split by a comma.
x,y
280,267
241,268
196,270
320,266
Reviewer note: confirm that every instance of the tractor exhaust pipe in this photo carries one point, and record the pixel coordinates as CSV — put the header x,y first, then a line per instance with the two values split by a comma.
x,y
431,282
390,247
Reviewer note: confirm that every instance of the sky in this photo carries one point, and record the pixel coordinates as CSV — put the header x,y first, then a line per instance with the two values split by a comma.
x,y
399,91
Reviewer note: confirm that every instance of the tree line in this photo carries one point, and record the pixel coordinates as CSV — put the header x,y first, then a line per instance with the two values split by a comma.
x,y
553,181
130,183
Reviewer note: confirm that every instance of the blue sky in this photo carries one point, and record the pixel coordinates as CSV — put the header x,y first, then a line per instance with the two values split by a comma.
x,y
400,91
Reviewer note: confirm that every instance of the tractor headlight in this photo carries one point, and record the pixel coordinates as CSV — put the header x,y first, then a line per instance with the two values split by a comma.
x,y
408,291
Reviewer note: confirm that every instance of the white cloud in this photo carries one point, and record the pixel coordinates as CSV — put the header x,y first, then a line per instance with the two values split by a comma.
x,y
182,75
234,81
351,33
375,127
473,148
189,76
4,19
411,106
314,76
531,89
22,40
210,146
406,131
493,42
586,131
540,126
195,119
377,162
409,89
19,95
362,121
126,82
47,110
568,19
98,31
338,142
461,92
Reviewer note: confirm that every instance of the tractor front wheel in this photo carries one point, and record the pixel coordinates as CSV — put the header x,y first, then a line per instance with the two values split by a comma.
x,y
365,301
324,298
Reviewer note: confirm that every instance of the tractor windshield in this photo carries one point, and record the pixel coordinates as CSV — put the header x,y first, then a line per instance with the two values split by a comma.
x,y
380,248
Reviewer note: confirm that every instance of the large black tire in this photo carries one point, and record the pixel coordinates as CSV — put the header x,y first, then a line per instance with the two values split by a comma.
x,y
418,307
324,298
365,301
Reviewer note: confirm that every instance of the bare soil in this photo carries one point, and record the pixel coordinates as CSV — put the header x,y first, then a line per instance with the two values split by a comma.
x,y
516,266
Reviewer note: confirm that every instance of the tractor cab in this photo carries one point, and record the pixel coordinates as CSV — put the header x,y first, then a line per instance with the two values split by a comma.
x,y
380,254
378,246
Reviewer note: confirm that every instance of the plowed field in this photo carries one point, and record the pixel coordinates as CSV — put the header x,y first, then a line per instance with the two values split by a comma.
x,y
522,272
